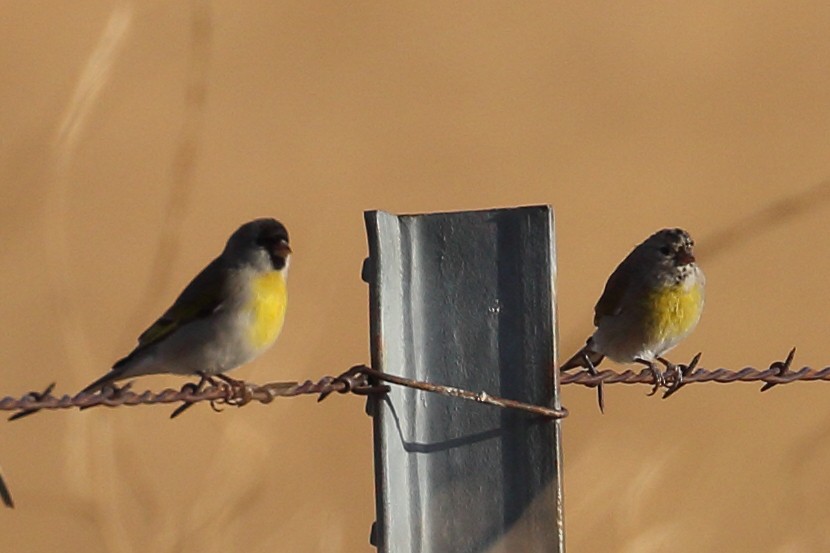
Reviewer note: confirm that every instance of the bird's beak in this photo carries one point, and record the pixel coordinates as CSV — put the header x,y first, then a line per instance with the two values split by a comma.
x,y
684,257
283,249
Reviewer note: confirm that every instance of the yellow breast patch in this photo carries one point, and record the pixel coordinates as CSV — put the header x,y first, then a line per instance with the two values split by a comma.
x,y
675,311
267,307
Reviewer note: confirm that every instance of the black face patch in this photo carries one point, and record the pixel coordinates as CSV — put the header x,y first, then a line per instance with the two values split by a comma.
x,y
272,236
271,233
277,261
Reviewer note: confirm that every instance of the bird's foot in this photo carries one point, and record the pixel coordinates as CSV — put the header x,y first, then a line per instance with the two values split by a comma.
x,y
659,378
232,382
673,376
240,392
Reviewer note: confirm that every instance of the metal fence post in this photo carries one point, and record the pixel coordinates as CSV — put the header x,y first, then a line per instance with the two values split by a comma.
x,y
465,299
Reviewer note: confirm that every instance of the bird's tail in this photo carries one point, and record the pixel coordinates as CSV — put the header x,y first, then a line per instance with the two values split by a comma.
x,y
111,376
118,372
582,357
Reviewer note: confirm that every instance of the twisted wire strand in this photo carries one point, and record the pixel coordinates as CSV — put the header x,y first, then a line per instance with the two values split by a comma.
x,y
357,380
778,372
221,394
720,376
363,380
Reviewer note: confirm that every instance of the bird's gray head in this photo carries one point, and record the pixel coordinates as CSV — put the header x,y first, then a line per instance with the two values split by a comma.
x,y
672,247
261,241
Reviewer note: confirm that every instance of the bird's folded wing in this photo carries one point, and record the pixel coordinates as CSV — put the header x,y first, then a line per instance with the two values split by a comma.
x,y
200,298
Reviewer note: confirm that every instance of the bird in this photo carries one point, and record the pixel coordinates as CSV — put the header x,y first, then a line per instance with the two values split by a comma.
x,y
652,301
229,314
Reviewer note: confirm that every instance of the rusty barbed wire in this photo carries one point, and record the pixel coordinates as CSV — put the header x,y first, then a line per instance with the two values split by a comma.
x,y
778,372
479,397
357,380
220,394
363,380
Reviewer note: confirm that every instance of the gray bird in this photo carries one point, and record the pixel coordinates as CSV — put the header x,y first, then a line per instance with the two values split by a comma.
x,y
230,313
651,302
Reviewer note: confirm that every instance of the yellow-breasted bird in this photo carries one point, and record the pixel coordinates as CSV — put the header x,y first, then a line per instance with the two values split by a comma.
x,y
651,302
230,313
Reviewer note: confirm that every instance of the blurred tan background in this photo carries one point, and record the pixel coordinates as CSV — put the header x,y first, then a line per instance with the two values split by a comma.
x,y
135,136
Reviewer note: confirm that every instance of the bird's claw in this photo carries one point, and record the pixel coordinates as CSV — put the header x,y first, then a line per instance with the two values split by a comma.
x,y
659,378
238,392
672,377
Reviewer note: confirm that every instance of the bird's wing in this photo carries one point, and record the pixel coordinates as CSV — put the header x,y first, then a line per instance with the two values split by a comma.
x,y
200,298
610,302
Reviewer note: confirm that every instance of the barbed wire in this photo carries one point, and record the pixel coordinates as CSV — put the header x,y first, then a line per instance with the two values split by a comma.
x,y
363,380
778,372
356,380
222,393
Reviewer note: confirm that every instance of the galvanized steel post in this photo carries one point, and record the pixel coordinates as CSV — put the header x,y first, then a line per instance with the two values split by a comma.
x,y
465,299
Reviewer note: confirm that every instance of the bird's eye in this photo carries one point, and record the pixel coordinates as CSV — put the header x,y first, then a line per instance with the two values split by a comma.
x,y
665,250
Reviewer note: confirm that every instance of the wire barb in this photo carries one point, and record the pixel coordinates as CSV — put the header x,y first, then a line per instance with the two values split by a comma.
x,y
356,381
781,367
5,494
679,374
36,396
